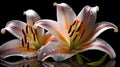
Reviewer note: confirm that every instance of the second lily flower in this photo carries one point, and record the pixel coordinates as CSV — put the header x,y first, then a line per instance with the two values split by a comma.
x,y
30,38
75,34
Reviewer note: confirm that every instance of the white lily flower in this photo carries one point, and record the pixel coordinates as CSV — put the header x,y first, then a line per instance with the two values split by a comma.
x,y
75,34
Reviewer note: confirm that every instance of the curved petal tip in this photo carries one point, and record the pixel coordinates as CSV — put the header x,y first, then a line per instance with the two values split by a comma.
x,y
3,31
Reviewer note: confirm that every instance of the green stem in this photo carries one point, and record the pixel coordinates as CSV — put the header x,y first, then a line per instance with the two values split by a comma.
x,y
99,62
79,59
86,58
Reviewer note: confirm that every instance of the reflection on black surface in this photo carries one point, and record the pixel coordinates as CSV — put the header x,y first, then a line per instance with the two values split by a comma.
x,y
35,63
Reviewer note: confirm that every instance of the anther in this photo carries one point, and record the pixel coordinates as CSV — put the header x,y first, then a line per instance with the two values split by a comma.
x,y
32,30
35,31
70,29
24,36
27,29
72,33
23,32
28,45
75,37
22,42
74,23
34,37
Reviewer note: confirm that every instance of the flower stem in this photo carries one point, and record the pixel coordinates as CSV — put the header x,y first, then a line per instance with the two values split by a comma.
x,y
99,62
89,60
79,59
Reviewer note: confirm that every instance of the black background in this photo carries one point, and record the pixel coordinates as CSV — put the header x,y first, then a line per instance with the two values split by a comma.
x,y
109,10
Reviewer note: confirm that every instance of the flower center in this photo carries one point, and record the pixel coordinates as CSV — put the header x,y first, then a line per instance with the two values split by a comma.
x,y
76,31
30,38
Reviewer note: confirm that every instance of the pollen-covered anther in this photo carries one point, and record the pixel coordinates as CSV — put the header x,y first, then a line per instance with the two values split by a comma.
x,y
72,33
23,43
28,45
31,30
75,37
35,32
27,29
25,38
34,37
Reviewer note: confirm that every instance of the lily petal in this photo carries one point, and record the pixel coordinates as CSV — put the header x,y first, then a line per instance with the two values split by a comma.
x,y
14,48
59,52
15,27
9,47
102,26
87,18
32,16
51,50
101,45
54,28
65,14
47,37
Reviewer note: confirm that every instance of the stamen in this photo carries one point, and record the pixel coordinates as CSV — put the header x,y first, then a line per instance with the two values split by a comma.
x,y
22,43
70,29
74,23
28,45
25,39
72,32
34,37
31,30
75,37
35,31
23,32
24,36
27,29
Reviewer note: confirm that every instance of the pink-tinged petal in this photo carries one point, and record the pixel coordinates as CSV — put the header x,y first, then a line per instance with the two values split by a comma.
x,y
51,50
54,27
9,47
31,16
65,14
15,48
101,45
60,52
15,27
87,16
103,26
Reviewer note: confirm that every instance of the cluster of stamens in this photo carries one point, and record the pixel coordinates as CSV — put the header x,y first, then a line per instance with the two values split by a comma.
x,y
75,33
30,38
